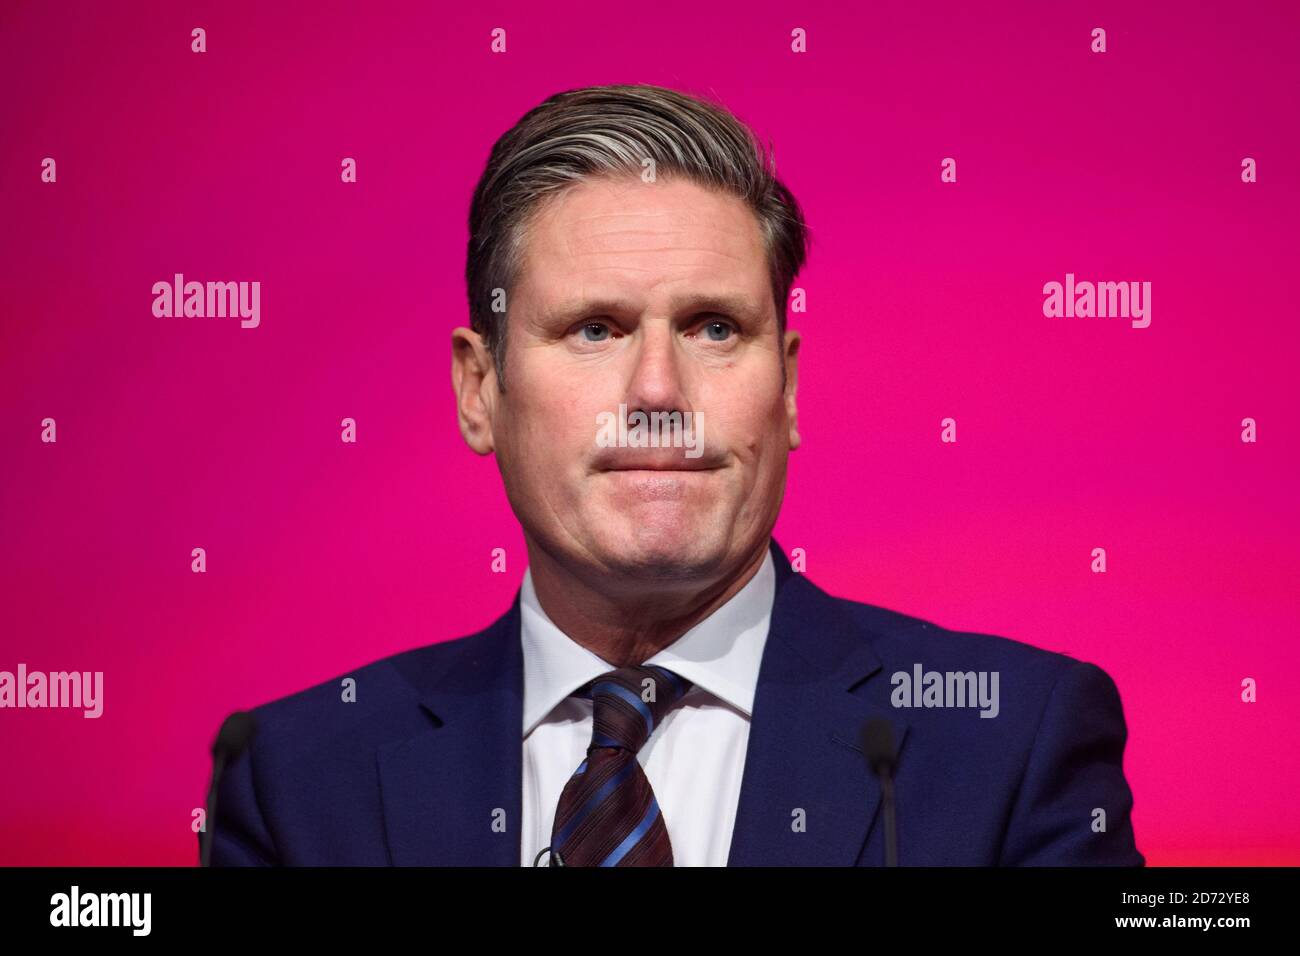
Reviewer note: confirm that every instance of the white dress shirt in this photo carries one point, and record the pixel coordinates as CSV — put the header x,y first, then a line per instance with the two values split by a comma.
x,y
695,758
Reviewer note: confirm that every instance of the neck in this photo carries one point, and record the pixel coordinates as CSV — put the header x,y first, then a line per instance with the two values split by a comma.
x,y
628,622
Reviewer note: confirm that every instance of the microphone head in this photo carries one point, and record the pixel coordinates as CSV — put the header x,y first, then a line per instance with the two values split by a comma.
x,y
235,733
878,744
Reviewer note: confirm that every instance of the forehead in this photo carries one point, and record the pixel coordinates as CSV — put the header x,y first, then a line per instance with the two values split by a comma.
x,y
642,242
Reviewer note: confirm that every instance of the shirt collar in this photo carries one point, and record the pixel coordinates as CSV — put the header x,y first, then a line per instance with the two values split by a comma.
x,y
720,654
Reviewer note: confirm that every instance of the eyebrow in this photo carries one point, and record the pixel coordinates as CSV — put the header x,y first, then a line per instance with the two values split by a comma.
x,y
692,303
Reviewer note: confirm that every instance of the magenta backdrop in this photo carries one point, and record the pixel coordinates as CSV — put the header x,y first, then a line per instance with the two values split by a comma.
x,y
924,301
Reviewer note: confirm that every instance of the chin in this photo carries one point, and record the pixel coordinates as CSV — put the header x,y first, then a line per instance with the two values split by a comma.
x,y
679,551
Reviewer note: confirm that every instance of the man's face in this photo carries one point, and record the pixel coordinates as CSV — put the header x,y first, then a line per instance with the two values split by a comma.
x,y
655,296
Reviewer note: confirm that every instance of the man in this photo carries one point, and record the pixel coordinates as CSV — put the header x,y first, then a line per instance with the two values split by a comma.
x,y
666,689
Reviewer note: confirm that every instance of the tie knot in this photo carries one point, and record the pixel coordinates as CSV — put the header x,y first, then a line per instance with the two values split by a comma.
x,y
628,703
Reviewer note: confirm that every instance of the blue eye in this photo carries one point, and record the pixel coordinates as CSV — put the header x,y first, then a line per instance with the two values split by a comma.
x,y
598,326
723,326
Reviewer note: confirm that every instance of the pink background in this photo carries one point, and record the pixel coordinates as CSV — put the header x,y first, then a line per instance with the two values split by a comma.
x,y
924,300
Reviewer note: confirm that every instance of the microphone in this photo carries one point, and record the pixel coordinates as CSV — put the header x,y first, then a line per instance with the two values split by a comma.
x,y
555,860
878,745
232,739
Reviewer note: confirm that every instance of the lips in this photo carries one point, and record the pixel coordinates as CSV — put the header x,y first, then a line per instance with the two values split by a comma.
x,y
665,465
676,485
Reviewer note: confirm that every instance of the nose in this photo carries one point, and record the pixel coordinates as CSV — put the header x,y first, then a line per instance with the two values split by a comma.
x,y
656,384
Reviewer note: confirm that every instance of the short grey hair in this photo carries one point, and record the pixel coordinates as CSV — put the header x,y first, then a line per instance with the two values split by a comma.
x,y
609,131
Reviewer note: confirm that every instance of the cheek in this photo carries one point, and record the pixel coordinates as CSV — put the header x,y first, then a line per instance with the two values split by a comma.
x,y
763,433
552,436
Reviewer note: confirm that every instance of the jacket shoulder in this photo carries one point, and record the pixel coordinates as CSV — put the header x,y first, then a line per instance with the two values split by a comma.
x,y
367,705
901,642
896,636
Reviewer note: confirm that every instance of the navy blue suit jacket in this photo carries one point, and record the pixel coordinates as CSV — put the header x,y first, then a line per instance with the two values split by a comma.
x,y
418,768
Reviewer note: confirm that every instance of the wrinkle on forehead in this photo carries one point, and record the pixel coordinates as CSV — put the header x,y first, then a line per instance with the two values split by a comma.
x,y
578,227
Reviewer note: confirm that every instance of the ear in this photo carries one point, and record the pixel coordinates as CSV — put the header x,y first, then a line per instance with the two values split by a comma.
x,y
474,381
790,356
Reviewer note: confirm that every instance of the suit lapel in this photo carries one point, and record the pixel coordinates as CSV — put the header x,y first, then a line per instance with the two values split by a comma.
x,y
443,788
804,766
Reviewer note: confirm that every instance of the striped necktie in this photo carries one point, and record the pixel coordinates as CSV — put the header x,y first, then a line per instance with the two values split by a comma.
x,y
607,814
